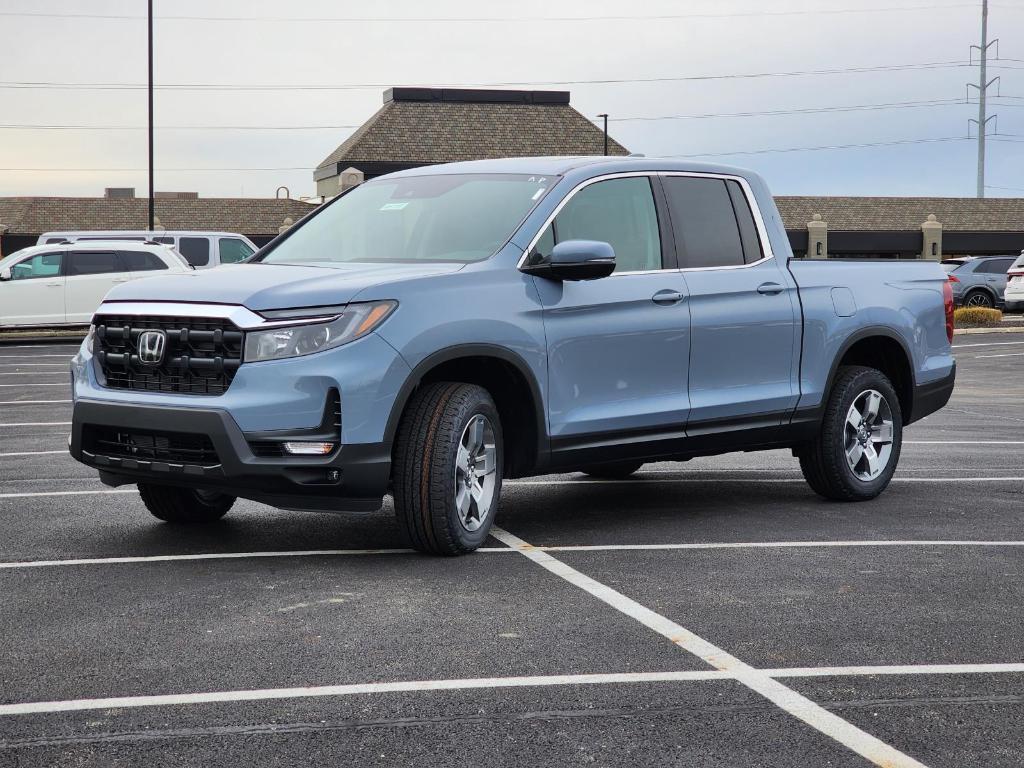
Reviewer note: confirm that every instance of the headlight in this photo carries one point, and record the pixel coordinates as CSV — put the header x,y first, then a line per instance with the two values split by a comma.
x,y
295,340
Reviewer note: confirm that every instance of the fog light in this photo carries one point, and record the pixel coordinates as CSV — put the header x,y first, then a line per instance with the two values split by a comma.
x,y
309,449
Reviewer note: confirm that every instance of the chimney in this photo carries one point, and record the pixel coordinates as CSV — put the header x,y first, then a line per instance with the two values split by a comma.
x,y
119,192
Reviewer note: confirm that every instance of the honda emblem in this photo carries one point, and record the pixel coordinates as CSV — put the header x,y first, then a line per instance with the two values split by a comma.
x,y
151,347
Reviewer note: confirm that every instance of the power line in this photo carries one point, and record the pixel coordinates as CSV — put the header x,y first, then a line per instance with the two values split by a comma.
x,y
15,84
797,111
491,19
827,146
1010,189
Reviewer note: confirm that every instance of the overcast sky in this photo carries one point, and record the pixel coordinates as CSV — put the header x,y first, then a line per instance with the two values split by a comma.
x,y
534,42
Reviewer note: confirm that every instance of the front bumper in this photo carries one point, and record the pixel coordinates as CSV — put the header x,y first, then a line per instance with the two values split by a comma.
x,y
354,478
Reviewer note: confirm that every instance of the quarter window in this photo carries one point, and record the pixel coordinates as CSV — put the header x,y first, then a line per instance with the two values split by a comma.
x,y
233,250
40,265
141,261
196,250
93,263
619,212
712,222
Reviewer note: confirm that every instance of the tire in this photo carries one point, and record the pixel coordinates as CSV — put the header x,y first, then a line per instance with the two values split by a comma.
x,y
826,461
978,298
446,478
618,471
184,506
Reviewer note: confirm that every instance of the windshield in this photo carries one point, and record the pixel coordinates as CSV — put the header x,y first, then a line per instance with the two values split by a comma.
x,y
457,217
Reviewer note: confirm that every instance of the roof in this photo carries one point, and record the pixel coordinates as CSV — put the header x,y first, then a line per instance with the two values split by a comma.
x,y
881,214
427,126
247,216
98,245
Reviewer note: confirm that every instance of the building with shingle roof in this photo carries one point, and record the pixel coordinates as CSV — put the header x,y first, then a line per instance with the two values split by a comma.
x,y
23,219
425,126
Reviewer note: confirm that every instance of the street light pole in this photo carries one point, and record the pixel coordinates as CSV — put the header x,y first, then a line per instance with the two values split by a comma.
x,y
150,35
605,116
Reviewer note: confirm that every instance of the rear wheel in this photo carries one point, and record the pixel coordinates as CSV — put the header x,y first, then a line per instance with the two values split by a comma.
x,y
979,299
447,468
857,449
619,471
184,506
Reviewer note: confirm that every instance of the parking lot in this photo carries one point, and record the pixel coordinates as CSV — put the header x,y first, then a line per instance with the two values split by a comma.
x,y
709,613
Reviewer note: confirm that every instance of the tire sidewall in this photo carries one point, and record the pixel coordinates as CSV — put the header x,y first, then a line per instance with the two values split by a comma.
x,y
865,380
480,404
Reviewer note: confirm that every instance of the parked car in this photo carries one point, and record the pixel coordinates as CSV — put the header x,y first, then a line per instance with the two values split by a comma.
x,y
200,249
435,331
978,281
1014,296
64,284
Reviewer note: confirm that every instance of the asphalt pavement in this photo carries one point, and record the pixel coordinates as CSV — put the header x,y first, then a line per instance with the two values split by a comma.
x,y
713,612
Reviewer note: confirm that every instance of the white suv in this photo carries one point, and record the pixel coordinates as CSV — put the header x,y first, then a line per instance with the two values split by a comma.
x,y
64,284
1014,295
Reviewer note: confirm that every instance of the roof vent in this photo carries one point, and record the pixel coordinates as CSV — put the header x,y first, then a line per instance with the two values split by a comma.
x,y
119,192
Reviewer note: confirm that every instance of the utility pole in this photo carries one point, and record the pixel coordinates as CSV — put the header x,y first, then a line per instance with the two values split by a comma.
x,y
605,116
983,86
150,34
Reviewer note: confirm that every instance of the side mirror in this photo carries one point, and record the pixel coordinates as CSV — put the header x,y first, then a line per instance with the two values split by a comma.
x,y
576,260
5,274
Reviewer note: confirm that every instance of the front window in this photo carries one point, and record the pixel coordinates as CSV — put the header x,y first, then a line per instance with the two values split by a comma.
x,y
456,217
233,250
40,265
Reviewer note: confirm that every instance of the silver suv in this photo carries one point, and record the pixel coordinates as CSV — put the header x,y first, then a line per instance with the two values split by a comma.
x,y
978,281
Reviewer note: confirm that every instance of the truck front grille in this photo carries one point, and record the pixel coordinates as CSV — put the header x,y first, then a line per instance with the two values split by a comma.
x,y
200,355
149,446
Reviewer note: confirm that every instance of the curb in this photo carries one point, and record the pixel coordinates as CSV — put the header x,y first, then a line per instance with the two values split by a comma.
x,y
968,331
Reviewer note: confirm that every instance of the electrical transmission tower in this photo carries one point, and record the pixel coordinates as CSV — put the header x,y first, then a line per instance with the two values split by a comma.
x,y
983,85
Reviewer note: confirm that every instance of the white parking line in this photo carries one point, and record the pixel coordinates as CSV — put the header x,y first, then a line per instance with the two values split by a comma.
x,y
63,372
31,402
753,480
77,705
1007,354
62,493
32,357
963,442
533,681
33,365
23,386
988,344
32,453
897,669
816,716
130,559
38,424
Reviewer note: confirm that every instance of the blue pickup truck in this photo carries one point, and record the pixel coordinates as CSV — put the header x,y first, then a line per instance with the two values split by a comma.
x,y
435,331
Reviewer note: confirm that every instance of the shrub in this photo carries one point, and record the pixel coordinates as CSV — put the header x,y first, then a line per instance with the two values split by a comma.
x,y
977,317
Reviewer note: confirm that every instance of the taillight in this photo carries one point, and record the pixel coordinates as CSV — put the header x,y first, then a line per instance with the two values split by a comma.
x,y
954,279
947,299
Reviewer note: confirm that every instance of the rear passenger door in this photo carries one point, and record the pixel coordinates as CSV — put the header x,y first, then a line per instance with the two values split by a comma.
x,y
196,251
744,312
90,275
617,346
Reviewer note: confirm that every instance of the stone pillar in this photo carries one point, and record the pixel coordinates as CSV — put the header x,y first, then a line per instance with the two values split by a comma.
x,y
3,231
931,239
285,225
157,226
350,177
817,238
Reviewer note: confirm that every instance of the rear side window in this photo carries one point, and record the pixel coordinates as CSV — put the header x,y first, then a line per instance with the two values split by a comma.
x,y
620,212
141,261
706,224
40,265
93,263
196,250
233,250
994,266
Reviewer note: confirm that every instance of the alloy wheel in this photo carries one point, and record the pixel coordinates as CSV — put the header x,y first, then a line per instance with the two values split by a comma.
x,y
475,476
868,435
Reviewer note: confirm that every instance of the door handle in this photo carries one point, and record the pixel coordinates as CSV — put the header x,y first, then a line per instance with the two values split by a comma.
x,y
769,289
667,297
53,285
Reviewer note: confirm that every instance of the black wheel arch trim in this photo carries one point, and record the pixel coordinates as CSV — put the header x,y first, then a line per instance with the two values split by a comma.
x,y
457,352
867,333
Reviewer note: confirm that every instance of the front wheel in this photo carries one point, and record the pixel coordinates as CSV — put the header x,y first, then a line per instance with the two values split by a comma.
x,y
979,299
184,506
854,456
447,468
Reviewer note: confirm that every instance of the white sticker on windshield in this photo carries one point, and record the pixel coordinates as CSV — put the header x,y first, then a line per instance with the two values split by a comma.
x,y
538,193
393,206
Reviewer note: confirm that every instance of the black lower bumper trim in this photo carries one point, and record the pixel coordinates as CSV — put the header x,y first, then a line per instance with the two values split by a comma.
x,y
353,478
928,398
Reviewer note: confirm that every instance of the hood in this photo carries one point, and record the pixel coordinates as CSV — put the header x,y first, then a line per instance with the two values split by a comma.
x,y
274,286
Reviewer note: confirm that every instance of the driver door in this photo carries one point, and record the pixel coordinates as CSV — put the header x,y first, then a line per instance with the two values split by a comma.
x,y
618,346
35,293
